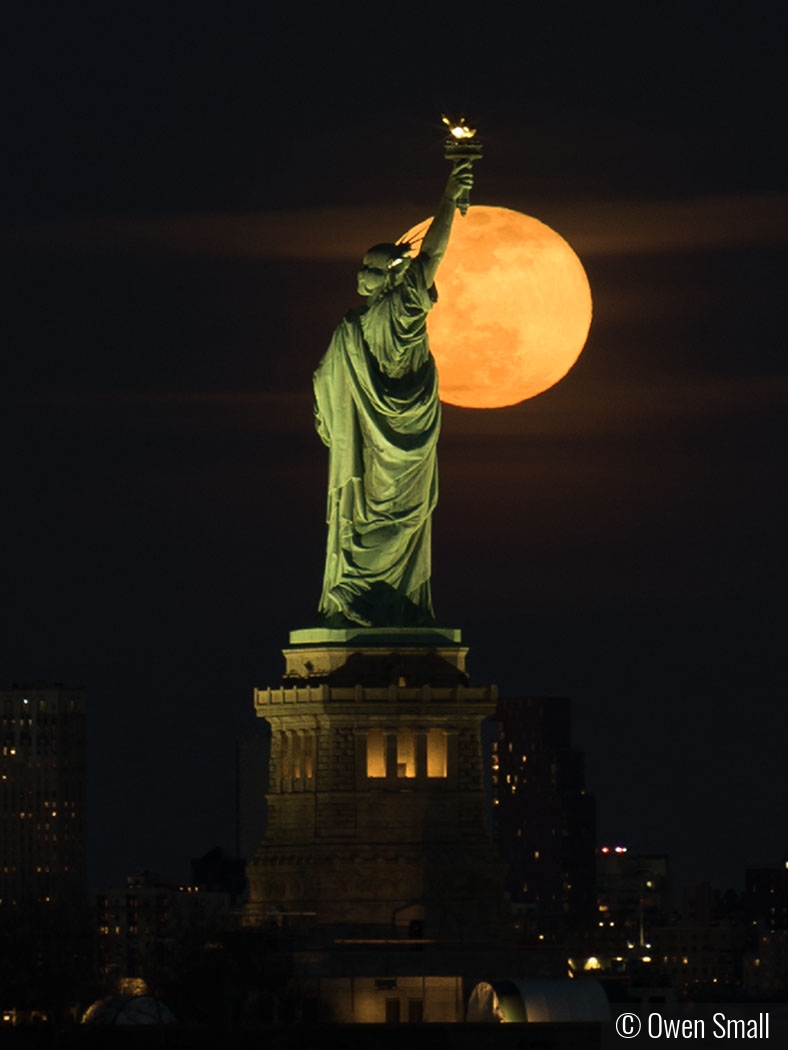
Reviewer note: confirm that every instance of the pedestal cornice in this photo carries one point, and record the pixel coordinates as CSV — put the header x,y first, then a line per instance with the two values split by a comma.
x,y
350,656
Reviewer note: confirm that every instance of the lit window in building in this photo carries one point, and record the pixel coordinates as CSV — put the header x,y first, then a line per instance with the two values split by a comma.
x,y
436,753
406,753
376,753
285,757
309,762
296,756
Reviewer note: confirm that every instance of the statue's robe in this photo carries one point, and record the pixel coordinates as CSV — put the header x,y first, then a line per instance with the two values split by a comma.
x,y
377,409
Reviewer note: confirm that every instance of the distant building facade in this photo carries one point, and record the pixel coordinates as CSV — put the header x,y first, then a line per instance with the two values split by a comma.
x,y
766,894
147,928
765,967
216,873
633,902
634,894
542,820
43,797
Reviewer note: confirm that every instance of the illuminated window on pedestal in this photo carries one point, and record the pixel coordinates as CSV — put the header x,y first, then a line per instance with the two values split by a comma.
x,y
414,751
296,756
376,753
406,753
436,753
284,761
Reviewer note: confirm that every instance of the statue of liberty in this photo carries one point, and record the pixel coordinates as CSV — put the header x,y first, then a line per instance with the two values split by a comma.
x,y
377,410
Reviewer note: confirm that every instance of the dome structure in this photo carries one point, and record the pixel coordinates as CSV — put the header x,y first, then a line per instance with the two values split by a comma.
x,y
538,999
128,1010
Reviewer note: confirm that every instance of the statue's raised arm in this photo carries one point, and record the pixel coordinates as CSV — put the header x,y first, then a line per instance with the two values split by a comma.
x,y
436,239
377,409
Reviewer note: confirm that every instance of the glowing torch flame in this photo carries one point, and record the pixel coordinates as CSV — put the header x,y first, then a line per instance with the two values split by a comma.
x,y
461,148
459,130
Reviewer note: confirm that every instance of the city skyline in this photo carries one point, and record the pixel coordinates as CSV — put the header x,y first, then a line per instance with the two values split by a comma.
x,y
619,539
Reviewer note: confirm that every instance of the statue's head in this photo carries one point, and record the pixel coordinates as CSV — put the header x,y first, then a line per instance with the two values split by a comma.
x,y
383,267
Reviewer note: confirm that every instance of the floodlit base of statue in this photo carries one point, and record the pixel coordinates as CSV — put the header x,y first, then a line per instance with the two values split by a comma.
x,y
377,845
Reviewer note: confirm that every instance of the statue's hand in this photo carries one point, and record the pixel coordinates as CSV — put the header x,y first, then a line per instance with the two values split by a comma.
x,y
461,178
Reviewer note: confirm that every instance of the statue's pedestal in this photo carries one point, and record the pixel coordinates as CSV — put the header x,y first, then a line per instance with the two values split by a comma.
x,y
377,636
376,843
376,656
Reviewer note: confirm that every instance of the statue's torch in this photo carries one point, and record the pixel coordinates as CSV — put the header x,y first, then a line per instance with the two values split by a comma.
x,y
461,145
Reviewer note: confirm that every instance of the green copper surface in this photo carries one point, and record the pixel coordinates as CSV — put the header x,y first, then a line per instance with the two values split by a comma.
x,y
377,410
427,637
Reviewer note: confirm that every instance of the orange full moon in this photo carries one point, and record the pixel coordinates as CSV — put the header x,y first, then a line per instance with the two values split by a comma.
x,y
513,311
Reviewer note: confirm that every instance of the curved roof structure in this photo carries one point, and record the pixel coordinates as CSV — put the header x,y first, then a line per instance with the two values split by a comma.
x,y
129,1009
538,1000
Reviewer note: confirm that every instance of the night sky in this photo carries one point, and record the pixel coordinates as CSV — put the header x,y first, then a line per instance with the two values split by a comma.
x,y
184,201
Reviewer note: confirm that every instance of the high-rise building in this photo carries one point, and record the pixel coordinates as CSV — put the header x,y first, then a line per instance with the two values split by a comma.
x,y
634,891
704,947
43,795
542,819
766,894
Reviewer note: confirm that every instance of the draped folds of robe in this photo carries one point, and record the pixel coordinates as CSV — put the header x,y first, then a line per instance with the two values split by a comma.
x,y
377,409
